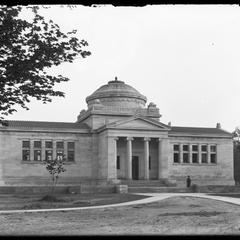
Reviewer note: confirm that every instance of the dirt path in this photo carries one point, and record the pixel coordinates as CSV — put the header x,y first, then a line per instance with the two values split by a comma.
x,y
177,215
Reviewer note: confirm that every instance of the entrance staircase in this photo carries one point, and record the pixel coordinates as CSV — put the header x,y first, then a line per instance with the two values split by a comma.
x,y
152,186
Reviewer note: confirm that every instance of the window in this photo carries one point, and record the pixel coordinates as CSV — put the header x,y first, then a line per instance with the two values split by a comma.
x,y
48,144
60,154
37,155
60,150
185,154
70,156
194,153
25,155
185,147
195,148
204,153
25,150
204,148
71,152
37,144
176,156
213,148
149,163
195,158
176,147
60,145
37,151
48,154
71,145
185,157
118,162
213,154
213,158
204,158
26,144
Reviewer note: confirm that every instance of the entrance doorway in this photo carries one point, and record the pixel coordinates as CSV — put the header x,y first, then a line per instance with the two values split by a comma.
x,y
135,168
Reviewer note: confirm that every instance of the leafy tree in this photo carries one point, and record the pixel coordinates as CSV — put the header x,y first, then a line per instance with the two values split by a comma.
x,y
55,168
236,134
27,49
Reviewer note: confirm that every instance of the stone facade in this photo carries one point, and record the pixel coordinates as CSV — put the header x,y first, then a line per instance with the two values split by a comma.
x,y
116,138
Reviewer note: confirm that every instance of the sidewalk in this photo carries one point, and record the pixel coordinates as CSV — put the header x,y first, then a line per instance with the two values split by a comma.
x,y
153,197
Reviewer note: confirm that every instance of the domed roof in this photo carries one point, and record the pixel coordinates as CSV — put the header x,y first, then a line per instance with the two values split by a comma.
x,y
117,93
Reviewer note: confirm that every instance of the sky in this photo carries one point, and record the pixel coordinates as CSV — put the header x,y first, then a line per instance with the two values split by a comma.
x,y
184,58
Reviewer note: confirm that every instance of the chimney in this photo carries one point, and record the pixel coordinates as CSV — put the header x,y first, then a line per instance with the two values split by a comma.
x,y
218,126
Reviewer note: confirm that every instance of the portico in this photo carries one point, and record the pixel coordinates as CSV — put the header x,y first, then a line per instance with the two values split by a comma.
x,y
139,158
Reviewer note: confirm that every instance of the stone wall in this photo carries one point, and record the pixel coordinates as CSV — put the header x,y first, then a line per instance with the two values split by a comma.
x,y
16,171
220,173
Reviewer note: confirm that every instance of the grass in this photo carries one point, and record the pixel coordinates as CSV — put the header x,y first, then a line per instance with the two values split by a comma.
x,y
14,202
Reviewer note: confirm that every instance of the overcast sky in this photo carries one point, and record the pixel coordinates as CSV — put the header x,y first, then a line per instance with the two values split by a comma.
x,y
184,58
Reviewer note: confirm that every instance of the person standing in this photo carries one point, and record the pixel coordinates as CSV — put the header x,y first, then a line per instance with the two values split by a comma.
x,y
188,181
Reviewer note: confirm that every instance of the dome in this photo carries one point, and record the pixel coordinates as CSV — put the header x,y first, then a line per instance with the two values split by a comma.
x,y
117,93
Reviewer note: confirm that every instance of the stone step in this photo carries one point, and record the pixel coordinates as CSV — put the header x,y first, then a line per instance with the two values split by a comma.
x,y
145,183
157,190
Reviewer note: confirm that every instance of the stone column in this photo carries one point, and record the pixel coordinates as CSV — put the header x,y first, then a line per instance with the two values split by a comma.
x,y
112,157
163,148
43,157
129,158
208,153
146,158
190,153
181,153
199,153
115,150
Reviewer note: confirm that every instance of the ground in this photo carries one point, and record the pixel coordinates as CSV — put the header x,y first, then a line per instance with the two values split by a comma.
x,y
175,215
18,201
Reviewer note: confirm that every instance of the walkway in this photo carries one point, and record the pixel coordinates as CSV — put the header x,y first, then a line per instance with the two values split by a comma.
x,y
153,197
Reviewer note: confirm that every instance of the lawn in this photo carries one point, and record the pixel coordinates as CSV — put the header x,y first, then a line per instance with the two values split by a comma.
x,y
175,215
17,201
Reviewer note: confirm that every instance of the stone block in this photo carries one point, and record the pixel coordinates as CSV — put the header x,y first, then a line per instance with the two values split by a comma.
x,y
121,188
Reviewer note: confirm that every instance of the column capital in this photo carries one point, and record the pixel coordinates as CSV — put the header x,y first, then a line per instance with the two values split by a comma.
x,y
129,138
146,139
115,138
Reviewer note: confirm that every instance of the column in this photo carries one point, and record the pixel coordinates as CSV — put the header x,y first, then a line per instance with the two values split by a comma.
x,y
208,153
199,153
146,158
163,151
43,157
129,158
181,153
111,157
190,152
115,157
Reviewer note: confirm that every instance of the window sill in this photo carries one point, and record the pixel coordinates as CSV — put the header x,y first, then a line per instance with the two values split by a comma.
x,y
41,162
196,164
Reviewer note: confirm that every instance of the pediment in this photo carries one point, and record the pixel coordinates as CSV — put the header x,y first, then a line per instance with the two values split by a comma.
x,y
139,123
